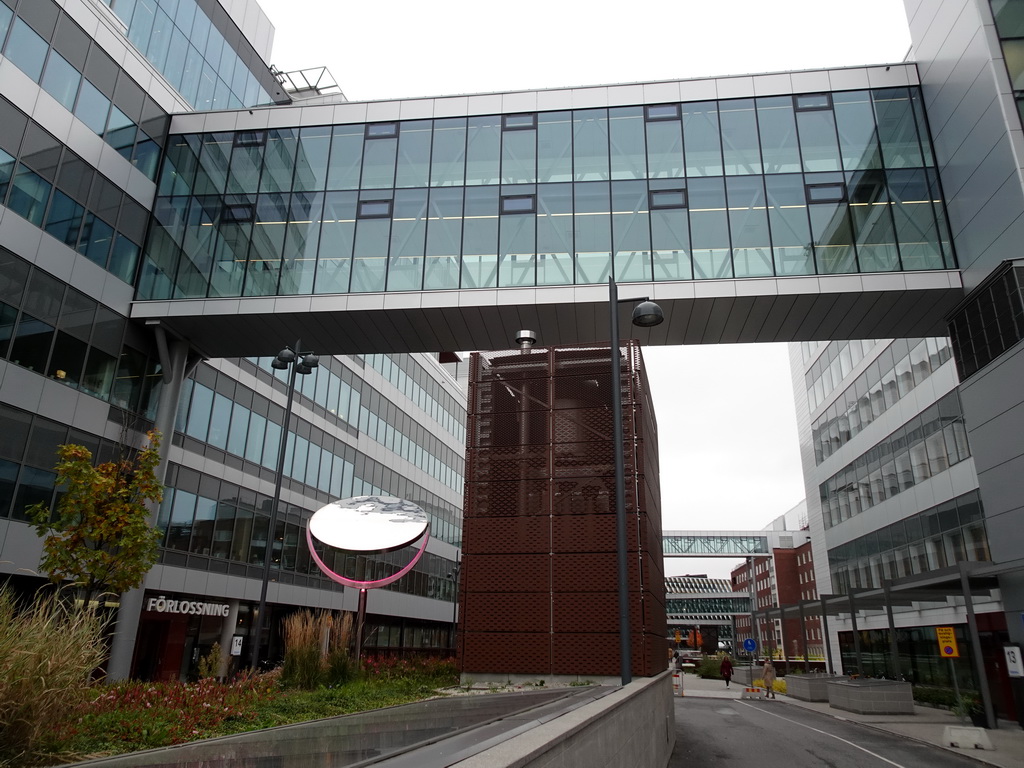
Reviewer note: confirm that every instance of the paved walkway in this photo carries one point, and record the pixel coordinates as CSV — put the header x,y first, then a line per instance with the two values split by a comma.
x,y
926,724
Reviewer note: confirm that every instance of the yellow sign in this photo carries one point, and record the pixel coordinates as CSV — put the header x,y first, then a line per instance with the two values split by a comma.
x,y
679,636
947,643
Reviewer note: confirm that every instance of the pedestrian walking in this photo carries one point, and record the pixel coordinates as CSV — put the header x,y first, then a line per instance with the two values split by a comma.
x,y
768,675
726,670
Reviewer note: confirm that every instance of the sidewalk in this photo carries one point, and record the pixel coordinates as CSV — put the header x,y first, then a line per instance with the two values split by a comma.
x,y
925,725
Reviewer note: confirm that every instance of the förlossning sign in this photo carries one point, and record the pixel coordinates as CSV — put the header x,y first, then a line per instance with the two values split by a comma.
x,y
192,607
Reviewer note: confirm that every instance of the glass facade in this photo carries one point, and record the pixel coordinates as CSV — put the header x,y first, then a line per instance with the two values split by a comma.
x,y
192,52
902,366
216,526
934,538
54,189
237,426
54,51
774,186
991,322
927,445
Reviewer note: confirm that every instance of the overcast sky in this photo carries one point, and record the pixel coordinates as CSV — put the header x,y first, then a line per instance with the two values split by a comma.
x,y
728,440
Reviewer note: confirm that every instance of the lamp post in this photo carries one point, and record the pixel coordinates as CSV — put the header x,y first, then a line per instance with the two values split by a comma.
x,y
453,574
295,362
645,314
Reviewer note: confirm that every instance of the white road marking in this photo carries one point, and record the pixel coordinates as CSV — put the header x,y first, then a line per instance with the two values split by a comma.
x,y
826,733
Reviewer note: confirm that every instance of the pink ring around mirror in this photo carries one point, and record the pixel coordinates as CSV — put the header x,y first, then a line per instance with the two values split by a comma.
x,y
368,524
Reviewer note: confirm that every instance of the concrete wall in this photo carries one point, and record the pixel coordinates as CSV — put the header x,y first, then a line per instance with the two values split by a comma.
x,y
631,728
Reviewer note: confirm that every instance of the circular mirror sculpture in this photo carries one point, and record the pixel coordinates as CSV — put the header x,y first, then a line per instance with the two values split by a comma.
x,y
368,524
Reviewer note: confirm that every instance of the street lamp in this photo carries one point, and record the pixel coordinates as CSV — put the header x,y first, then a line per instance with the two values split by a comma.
x,y
453,575
645,314
298,363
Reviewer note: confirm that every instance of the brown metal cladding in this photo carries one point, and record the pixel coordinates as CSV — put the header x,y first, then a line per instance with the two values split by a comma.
x,y
539,588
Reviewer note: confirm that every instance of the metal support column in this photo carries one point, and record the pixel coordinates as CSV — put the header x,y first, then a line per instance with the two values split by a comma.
x,y
785,642
828,640
803,636
894,647
176,364
979,661
856,635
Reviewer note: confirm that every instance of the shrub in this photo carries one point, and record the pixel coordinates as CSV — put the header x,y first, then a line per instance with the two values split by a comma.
x,y
209,665
47,656
936,697
779,686
710,667
307,663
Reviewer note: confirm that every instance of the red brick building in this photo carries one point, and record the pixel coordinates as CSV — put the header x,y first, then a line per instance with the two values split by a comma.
x,y
539,586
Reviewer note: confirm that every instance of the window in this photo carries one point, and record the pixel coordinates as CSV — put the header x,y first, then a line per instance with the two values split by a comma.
x,y
667,198
825,193
656,112
250,139
522,122
374,209
238,213
381,130
518,204
806,102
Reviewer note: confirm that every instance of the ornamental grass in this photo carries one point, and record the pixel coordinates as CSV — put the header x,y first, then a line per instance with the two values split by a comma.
x,y
48,652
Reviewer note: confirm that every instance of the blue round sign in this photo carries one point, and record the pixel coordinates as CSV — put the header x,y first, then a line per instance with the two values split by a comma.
x,y
749,644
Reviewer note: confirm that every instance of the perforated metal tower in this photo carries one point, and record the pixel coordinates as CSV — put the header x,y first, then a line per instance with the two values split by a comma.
x,y
539,584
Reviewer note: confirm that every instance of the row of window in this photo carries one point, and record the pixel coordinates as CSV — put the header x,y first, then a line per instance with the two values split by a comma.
x,y
50,328
935,538
188,49
28,454
990,323
452,238
857,130
902,366
228,524
85,80
222,413
416,384
56,190
927,445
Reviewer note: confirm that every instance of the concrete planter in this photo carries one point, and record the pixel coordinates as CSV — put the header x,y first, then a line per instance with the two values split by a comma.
x,y
810,687
871,697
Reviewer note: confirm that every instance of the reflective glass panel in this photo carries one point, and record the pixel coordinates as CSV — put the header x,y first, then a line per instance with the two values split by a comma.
x,y
592,232
628,147
709,229
702,139
855,121
590,145
480,238
26,49
554,147
444,239
780,148
414,154
61,80
748,222
631,234
740,144
483,140
554,234
448,165
408,233
337,235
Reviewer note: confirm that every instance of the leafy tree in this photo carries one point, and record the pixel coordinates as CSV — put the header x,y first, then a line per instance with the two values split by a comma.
x,y
100,538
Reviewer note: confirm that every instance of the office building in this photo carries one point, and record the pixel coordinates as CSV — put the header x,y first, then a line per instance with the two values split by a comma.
x,y
171,218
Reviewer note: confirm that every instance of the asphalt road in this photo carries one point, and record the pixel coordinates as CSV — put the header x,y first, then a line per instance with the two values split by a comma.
x,y
768,734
